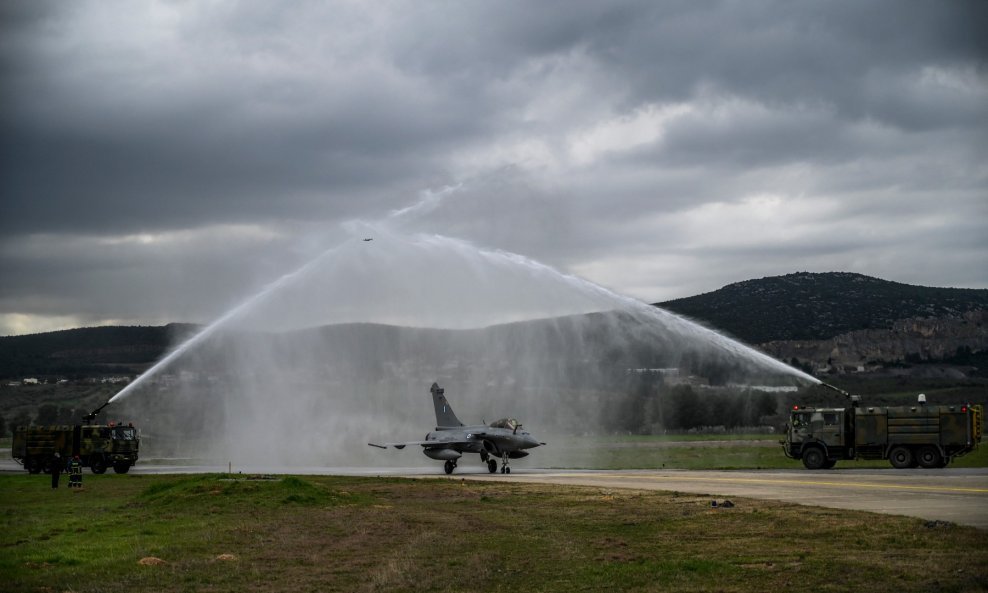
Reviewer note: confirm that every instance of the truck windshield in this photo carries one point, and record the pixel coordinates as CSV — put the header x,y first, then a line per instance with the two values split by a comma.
x,y
801,419
125,433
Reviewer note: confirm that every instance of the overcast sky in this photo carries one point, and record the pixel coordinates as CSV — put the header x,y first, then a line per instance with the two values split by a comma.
x,y
163,160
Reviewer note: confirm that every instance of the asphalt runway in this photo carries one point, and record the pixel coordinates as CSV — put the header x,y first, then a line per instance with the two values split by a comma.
x,y
956,495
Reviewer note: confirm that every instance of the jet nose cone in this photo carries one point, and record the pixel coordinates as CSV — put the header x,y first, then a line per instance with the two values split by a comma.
x,y
531,441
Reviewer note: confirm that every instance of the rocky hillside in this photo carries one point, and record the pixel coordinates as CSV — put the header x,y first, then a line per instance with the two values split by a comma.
x,y
805,306
909,340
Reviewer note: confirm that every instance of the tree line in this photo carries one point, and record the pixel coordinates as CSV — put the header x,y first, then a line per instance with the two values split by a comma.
x,y
650,406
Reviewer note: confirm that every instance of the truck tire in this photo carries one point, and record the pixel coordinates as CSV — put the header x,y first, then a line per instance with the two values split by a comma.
x,y
97,465
901,458
929,457
814,458
32,465
121,467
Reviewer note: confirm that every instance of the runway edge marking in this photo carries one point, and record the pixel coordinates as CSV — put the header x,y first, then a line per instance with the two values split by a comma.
x,y
944,489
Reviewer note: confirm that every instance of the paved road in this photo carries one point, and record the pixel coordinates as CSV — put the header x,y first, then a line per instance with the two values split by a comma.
x,y
956,495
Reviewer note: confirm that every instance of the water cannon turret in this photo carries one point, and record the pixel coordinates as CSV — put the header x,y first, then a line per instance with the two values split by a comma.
x,y
837,389
88,418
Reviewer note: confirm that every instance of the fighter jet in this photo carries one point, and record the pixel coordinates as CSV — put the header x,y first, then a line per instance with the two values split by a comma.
x,y
502,438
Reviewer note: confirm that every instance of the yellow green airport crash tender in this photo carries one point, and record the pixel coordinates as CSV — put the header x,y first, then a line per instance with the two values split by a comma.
x,y
98,446
923,435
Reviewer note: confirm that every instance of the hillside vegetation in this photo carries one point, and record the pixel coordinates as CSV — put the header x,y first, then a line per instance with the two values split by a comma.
x,y
87,351
807,306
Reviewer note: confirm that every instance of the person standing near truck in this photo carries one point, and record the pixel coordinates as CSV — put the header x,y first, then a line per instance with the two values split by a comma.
x,y
56,470
75,473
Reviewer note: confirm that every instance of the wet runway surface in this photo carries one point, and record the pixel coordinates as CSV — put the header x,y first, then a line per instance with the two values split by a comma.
x,y
956,495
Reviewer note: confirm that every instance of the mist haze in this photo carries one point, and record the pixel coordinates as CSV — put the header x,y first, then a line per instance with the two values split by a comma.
x,y
342,351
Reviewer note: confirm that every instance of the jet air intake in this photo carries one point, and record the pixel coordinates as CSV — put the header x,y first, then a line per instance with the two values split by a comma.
x,y
491,448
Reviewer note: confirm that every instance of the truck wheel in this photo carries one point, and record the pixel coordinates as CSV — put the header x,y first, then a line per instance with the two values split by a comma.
x,y
901,458
121,467
32,465
929,457
813,458
98,465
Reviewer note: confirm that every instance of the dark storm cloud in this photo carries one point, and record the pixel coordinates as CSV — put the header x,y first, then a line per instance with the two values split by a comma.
x,y
838,53
660,148
93,141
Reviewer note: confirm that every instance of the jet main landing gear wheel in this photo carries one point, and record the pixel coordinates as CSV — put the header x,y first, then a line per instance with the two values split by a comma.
x,y
449,466
491,466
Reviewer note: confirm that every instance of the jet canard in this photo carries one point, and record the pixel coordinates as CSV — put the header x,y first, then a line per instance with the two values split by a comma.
x,y
502,438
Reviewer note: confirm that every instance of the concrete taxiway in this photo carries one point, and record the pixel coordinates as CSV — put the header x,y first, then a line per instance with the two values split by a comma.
x,y
956,495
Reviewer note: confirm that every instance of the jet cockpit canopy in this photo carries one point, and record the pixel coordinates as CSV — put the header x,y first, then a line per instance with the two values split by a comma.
x,y
509,423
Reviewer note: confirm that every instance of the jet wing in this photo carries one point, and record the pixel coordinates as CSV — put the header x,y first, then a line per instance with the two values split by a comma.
x,y
426,444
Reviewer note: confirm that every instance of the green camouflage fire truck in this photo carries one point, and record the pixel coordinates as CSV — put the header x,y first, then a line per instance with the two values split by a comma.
x,y
923,435
99,446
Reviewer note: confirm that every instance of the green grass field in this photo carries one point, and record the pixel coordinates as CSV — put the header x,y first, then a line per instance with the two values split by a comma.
x,y
696,452
211,533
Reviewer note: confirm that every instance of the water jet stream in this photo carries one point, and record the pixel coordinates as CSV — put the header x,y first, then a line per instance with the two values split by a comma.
x,y
226,318
505,279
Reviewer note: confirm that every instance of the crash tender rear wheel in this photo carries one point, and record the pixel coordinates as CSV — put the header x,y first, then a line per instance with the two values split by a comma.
x,y
929,457
901,458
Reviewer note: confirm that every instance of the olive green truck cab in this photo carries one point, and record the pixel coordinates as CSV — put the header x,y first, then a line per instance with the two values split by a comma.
x,y
927,436
98,446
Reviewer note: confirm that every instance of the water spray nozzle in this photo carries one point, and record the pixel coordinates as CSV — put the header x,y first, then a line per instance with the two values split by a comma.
x,y
837,389
88,418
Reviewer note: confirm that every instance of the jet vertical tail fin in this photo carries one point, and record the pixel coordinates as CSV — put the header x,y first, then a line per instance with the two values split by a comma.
x,y
445,418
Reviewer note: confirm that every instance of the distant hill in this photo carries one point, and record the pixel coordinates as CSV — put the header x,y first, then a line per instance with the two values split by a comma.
x,y
800,306
807,306
86,351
